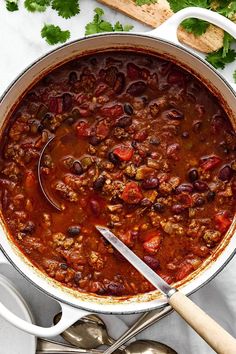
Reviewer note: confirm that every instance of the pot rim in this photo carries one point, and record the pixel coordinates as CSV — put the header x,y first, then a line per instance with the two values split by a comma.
x,y
163,302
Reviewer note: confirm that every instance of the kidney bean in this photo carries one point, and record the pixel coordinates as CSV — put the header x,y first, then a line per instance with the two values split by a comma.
x,y
184,187
158,207
193,175
77,168
99,183
200,186
116,289
150,183
211,196
113,158
145,203
210,162
175,77
119,83
73,77
174,114
226,173
133,71
128,109
137,88
151,262
178,208
73,230
141,135
124,122
67,101
95,207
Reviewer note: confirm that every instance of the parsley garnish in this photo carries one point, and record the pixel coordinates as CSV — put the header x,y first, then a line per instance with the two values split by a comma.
x,y
53,34
12,5
36,5
196,26
177,5
98,25
224,55
234,76
66,8
145,2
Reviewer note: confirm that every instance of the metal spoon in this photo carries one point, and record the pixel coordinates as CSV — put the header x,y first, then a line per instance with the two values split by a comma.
x,y
137,347
91,332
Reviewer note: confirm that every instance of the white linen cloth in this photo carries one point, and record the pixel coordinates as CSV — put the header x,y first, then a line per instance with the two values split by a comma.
x,y
20,45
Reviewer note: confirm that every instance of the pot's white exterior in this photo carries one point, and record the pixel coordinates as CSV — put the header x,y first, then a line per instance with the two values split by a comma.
x,y
102,43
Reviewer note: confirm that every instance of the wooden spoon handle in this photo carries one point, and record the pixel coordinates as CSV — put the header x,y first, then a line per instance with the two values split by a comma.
x,y
220,340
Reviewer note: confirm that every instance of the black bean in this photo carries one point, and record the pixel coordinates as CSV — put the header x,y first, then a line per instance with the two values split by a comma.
x,y
145,203
29,228
72,77
150,183
178,209
158,207
128,109
193,175
64,266
70,120
67,101
154,140
137,88
200,201
174,114
124,122
184,187
226,173
200,186
40,128
73,230
151,262
113,158
99,183
211,196
77,168
94,140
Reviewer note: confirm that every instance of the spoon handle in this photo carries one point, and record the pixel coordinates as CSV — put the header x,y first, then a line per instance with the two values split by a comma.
x,y
146,320
51,347
220,340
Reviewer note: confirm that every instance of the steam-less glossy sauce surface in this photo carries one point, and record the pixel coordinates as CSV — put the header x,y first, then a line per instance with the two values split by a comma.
x,y
140,146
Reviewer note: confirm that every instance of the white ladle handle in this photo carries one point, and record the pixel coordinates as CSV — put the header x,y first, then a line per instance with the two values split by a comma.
x,y
220,340
168,29
69,316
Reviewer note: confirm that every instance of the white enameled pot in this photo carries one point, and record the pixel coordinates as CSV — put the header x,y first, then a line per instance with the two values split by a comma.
x,y
162,42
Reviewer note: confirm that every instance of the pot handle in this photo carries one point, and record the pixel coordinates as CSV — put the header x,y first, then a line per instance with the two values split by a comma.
x,y
168,29
69,316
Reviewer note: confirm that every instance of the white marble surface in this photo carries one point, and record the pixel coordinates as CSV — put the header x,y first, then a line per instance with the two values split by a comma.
x,y
21,44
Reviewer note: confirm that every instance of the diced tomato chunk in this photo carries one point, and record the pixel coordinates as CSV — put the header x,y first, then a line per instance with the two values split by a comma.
x,y
153,244
141,135
210,162
223,221
112,111
125,153
185,269
132,193
102,129
82,128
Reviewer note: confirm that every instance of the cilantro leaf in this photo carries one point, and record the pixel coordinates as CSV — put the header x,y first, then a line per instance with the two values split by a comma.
x,y
177,5
195,26
98,25
66,8
227,8
53,34
234,76
145,2
12,5
36,5
228,39
218,60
